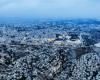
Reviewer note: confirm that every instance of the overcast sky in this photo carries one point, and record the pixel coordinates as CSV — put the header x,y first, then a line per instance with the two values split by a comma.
x,y
50,8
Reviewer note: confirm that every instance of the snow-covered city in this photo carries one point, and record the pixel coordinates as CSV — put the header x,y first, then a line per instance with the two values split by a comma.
x,y
50,50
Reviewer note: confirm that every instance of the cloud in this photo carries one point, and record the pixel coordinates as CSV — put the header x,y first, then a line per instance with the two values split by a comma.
x,y
50,8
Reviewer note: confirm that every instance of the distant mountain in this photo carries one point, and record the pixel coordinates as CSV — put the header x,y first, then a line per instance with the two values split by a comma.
x,y
59,21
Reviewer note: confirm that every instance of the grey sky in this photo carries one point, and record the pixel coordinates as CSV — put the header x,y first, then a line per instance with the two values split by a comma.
x,y
50,8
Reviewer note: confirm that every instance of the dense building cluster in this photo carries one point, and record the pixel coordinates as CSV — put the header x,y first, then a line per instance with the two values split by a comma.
x,y
50,50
